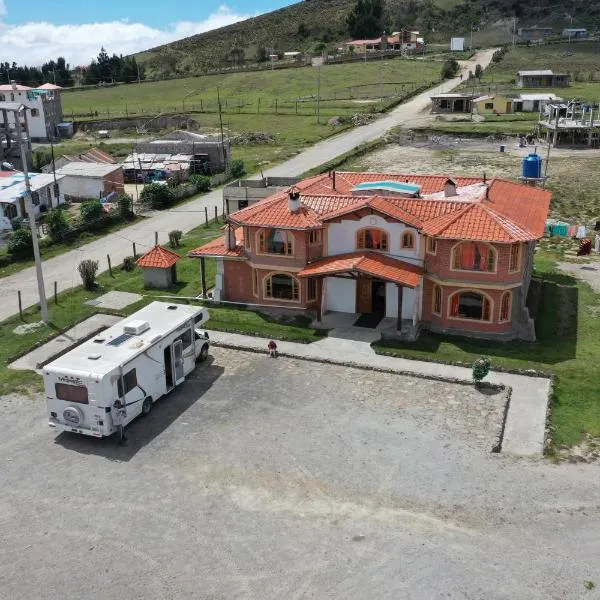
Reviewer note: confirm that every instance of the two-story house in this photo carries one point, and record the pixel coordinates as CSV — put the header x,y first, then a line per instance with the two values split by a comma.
x,y
451,255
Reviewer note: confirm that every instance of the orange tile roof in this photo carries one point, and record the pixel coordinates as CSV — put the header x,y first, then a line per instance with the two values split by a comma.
x,y
216,248
367,263
477,221
508,212
158,258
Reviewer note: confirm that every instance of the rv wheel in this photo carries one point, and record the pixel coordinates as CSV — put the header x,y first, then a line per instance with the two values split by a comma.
x,y
203,353
147,406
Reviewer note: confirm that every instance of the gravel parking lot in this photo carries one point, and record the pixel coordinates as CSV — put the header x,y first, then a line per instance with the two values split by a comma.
x,y
263,478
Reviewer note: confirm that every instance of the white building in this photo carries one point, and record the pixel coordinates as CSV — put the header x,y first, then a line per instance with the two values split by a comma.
x,y
44,104
533,102
90,181
12,195
457,44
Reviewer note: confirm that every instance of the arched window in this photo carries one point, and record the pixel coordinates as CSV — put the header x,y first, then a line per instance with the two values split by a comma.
x,y
470,305
515,258
280,286
276,241
408,240
372,239
436,306
505,306
474,256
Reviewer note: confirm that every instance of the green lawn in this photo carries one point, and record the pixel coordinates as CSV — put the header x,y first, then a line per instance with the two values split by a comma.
x,y
340,84
568,330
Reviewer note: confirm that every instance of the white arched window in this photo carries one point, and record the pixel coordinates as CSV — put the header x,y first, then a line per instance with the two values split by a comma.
x,y
276,241
470,304
408,240
282,286
372,238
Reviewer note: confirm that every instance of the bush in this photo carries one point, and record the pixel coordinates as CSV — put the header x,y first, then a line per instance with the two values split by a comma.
x,y
57,223
125,204
157,196
237,168
91,214
481,367
87,269
450,68
175,237
478,71
129,263
20,244
202,182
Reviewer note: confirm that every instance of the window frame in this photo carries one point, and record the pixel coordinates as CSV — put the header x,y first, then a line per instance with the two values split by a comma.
x,y
517,267
268,288
505,318
35,112
315,237
70,386
127,382
311,289
361,234
431,245
289,243
488,106
435,301
491,252
412,238
485,297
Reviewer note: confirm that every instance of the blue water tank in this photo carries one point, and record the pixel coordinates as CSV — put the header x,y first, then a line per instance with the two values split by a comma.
x,y
532,166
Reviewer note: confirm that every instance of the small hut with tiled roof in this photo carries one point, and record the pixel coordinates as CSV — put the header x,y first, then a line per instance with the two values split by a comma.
x,y
159,266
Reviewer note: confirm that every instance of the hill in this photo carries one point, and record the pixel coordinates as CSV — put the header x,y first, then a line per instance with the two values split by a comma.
x,y
316,25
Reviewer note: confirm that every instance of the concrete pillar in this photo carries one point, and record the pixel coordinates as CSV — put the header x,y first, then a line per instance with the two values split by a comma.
x,y
399,324
203,276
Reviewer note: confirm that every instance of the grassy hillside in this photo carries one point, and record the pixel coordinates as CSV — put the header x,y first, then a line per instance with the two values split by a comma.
x,y
312,25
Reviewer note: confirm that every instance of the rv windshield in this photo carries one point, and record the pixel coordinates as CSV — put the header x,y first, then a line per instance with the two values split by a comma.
x,y
71,393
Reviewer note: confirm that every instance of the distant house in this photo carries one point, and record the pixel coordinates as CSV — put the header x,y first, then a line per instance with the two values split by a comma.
x,y
533,102
496,105
574,33
399,40
457,44
542,78
451,103
90,180
533,34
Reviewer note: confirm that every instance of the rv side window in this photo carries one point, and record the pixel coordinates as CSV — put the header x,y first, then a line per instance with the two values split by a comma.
x,y
198,318
130,379
71,393
186,338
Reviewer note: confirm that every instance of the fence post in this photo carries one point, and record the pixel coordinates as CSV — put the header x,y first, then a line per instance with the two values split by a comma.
x,y
201,107
258,109
20,304
206,215
134,254
55,293
109,265
296,106
275,105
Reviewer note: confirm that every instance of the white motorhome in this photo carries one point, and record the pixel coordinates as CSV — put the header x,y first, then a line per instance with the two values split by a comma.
x,y
138,360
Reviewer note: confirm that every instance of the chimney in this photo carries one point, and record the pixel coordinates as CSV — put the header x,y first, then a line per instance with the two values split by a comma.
x,y
13,83
450,188
230,242
294,199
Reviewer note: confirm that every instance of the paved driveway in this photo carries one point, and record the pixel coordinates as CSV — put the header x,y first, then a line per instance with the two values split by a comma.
x,y
264,478
63,269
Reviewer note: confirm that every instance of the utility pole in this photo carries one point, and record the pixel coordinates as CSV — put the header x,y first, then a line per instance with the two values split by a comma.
x,y
54,174
471,44
381,66
138,70
514,30
221,125
32,223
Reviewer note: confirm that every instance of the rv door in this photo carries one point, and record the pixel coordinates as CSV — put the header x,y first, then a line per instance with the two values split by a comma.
x,y
178,361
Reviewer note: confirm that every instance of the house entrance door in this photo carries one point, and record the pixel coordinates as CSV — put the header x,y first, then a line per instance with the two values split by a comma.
x,y
364,295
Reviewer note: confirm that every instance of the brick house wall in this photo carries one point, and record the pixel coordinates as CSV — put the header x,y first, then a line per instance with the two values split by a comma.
x,y
114,182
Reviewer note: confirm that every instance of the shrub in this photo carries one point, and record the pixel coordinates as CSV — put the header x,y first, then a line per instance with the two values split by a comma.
x,y
157,196
91,214
478,71
87,269
57,223
202,182
20,244
129,263
481,367
237,168
450,68
175,237
125,204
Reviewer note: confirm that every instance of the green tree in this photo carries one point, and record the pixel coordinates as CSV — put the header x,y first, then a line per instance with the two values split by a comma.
x,y
87,270
20,244
450,68
237,168
202,182
261,54
367,19
57,223
91,213
157,196
478,71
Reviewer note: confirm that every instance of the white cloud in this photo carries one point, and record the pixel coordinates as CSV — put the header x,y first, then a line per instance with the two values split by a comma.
x,y
36,42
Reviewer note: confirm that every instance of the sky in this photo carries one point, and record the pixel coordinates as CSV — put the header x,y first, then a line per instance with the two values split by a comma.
x,y
35,31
